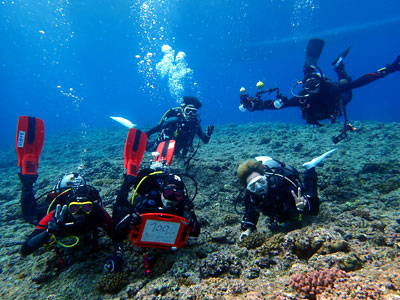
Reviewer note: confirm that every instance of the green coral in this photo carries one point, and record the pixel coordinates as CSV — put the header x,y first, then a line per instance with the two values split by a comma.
x,y
112,283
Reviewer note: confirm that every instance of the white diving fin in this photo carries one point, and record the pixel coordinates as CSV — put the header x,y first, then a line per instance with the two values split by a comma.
x,y
124,122
315,161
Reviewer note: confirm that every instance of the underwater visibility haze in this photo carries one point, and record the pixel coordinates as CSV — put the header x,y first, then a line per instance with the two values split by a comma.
x,y
74,63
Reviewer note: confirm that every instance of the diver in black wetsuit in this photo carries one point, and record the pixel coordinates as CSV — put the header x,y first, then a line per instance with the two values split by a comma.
x,y
181,124
320,98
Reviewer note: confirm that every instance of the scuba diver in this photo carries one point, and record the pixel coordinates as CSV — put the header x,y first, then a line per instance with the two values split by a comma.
x,y
74,214
72,209
320,98
157,192
181,124
276,190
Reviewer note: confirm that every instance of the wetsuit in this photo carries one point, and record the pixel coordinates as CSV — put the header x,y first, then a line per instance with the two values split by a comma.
x,y
174,126
329,101
279,204
98,217
149,200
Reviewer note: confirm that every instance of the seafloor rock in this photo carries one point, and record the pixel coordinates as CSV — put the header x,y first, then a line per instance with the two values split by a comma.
x,y
357,228
219,263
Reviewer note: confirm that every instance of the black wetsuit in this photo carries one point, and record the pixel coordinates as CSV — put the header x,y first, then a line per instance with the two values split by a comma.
x,y
328,102
174,126
97,218
279,204
149,200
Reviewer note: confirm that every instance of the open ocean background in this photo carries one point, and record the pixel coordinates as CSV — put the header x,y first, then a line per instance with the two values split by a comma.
x,y
75,63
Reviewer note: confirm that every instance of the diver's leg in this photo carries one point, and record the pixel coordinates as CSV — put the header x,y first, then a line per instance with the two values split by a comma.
x,y
371,77
311,189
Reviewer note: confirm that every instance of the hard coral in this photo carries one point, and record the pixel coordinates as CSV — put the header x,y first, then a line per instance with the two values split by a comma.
x,y
314,283
112,283
254,240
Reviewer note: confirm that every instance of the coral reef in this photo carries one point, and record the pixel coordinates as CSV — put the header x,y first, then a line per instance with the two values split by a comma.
x,y
219,263
314,283
254,240
112,283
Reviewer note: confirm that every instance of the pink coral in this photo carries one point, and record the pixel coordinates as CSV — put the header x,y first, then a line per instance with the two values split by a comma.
x,y
314,283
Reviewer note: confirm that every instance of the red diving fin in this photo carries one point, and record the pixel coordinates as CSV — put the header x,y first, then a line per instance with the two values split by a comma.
x,y
135,146
166,150
29,143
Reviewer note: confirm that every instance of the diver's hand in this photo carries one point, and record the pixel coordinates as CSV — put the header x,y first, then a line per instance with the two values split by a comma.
x,y
210,130
244,234
301,201
129,221
58,219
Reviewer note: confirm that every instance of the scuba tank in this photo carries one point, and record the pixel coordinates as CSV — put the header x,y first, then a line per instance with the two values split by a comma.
x,y
277,172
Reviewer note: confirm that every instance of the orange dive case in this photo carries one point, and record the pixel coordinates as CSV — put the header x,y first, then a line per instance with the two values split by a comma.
x,y
158,230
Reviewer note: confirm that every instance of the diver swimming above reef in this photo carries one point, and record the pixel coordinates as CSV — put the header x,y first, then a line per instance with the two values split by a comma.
x,y
320,98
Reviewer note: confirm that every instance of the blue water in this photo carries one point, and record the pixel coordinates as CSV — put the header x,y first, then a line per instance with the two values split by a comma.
x,y
74,64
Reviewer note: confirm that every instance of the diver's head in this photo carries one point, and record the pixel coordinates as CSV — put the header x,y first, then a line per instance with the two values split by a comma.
x,y
80,202
173,191
70,180
312,79
251,176
248,167
257,184
189,100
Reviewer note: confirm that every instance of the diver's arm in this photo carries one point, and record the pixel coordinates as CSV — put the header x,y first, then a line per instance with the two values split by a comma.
x,y
35,241
311,190
154,130
122,197
250,218
38,237
282,102
200,133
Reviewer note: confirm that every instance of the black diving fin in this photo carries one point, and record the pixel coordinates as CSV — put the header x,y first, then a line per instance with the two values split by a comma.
x,y
340,58
314,50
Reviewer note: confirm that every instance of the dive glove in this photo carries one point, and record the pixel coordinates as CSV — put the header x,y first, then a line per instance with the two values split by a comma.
x,y
210,130
58,219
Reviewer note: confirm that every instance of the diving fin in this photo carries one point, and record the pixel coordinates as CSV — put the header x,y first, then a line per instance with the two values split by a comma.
x,y
314,50
165,151
315,161
124,122
135,146
340,58
29,143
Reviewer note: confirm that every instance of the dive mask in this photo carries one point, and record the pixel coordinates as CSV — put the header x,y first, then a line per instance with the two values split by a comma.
x,y
173,194
189,112
85,207
258,185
